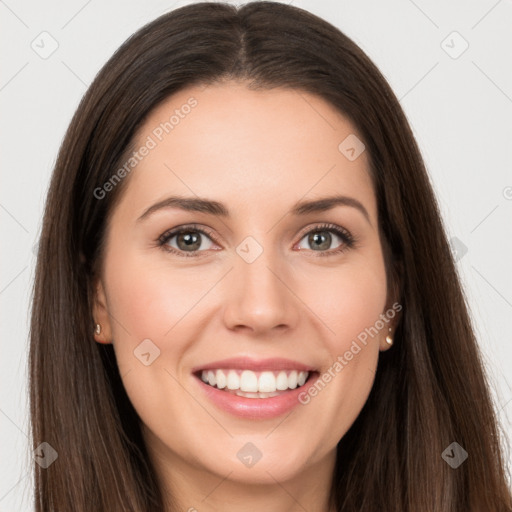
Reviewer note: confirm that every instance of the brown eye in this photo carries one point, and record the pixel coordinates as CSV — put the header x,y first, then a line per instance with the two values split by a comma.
x,y
185,240
188,241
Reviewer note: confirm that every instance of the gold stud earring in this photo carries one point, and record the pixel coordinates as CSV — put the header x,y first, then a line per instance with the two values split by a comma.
x,y
97,330
389,339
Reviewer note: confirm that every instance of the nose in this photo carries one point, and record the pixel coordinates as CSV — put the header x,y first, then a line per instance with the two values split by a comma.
x,y
259,296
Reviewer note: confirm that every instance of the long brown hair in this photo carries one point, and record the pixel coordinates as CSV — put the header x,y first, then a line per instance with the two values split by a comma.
x,y
430,389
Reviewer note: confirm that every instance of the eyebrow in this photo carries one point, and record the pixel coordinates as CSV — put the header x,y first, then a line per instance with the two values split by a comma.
x,y
208,206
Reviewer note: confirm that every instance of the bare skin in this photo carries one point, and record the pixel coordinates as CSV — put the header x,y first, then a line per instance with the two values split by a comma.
x,y
258,153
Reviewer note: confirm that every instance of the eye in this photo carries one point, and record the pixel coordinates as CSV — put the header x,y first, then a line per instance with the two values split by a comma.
x,y
320,238
189,239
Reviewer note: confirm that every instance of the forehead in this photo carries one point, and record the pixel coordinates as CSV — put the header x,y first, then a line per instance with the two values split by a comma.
x,y
248,148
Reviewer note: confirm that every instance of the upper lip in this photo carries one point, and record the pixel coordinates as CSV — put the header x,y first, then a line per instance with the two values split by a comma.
x,y
247,363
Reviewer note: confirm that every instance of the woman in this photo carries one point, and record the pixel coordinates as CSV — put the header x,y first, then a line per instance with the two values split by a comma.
x,y
244,295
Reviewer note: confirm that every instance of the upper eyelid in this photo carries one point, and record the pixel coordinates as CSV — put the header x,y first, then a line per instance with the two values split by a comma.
x,y
170,233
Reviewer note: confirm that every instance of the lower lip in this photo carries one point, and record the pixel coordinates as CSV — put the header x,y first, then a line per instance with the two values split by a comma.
x,y
256,408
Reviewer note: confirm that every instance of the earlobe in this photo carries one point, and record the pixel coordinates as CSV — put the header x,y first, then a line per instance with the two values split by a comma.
x,y
393,306
388,339
387,336
388,332
101,328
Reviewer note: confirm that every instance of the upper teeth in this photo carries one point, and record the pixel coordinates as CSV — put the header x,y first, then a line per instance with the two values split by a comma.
x,y
249,381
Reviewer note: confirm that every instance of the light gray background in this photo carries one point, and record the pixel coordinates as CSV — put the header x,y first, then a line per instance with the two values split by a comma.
x,y
460,110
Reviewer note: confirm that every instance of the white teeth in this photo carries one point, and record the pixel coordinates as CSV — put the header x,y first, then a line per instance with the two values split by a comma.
x,y
282,381
292,380
221,379
255,395
233,380
247,381
267,382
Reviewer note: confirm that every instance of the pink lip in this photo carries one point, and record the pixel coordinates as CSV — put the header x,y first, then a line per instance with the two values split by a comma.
x,y
256,408
246,363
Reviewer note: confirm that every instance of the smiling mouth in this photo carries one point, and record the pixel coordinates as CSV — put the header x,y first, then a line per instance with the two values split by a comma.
x,y
254,384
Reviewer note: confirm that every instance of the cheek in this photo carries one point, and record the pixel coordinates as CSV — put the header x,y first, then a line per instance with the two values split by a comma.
x,y
149,301
148,297
146,301
359,302
347,300
142,304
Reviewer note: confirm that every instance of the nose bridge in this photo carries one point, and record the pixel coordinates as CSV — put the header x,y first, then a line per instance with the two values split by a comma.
x,y
260,298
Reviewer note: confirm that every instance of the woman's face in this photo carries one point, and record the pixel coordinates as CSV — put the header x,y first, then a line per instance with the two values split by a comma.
x,y
256,279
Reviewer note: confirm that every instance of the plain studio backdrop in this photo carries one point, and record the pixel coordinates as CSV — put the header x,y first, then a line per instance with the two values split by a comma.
x,y
449,63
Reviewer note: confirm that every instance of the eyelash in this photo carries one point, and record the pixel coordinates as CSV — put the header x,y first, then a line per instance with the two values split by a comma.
x,y
349,241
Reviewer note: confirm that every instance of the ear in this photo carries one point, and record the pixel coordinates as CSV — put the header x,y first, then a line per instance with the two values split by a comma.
x,y
393,310
101,315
